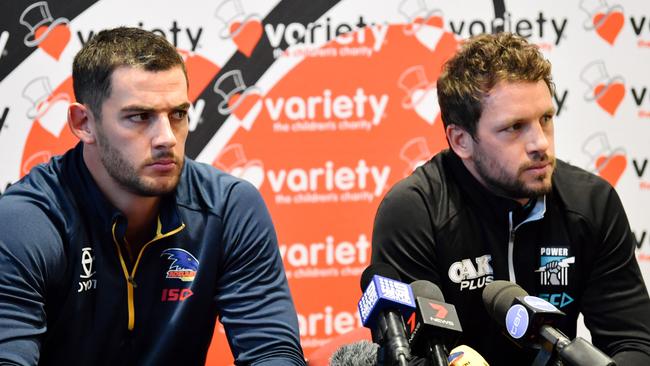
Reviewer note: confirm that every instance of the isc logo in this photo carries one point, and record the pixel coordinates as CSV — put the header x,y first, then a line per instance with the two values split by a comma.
x,y
175,294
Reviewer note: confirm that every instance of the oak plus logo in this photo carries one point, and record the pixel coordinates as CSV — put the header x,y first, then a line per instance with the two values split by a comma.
x,y
86,280
350,39
606,91
329,183
329,111
331,257
472,275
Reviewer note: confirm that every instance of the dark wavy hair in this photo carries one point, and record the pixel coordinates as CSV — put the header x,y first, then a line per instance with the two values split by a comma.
x,y
481,63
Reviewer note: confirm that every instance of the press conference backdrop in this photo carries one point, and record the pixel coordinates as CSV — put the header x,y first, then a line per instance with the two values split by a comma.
x,y
324,105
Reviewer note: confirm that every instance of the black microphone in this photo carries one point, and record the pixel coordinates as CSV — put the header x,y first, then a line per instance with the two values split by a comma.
x,y
433,324
530,321
362,353
384,302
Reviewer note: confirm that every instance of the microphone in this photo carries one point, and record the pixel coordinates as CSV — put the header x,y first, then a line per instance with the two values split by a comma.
x,y
384,302
530,321
433,324
466,356
362,353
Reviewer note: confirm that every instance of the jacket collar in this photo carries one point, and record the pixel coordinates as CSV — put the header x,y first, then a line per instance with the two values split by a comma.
x,y
96,206
490,203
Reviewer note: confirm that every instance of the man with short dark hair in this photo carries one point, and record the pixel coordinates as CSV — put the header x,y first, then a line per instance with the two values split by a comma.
x,y
498,206
123,251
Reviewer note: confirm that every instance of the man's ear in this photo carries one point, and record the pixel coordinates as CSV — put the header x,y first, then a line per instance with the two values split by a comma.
x,y
82,123
460,141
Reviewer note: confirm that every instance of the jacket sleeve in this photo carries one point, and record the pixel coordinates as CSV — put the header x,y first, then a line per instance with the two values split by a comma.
x,y
29,247
615,302
403,235
253,297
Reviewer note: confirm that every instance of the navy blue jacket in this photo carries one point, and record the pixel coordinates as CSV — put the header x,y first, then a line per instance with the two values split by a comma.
x,y
71,295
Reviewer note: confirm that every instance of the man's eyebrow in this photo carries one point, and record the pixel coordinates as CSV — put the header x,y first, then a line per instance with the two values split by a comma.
x,y
141,108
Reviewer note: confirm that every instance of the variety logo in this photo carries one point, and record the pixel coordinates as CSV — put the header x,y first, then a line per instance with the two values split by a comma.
x,y
183,264
607,163
49,34
640,96
327,253
3,117
179,37
558,299
606,91
86,280
642,245
606,20
232,159
420,93
245,30
358,183
640,167
317,113
559,97
328,258
541,27
315,34
471,276
327,322
554,266
239,100
4,37
639,26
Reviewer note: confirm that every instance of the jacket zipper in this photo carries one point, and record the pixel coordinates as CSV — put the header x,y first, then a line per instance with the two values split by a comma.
x,y
130,277
511,249
536,214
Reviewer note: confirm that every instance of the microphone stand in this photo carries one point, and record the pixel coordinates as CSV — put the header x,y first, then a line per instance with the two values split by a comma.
x,y
557,349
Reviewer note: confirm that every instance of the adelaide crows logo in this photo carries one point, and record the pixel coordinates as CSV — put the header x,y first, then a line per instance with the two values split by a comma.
x,y
183,266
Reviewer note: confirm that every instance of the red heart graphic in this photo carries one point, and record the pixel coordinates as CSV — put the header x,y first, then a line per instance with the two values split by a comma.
x,y
247,37
611,27
200,72
434,21
611,169
56,41
242,110
611,98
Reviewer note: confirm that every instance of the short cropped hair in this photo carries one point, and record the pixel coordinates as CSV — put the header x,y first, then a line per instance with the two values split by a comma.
x,y
481,63
109,49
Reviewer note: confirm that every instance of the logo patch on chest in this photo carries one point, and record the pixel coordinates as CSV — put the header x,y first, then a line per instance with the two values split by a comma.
x,y
183,264
86,277
472,275
554,263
